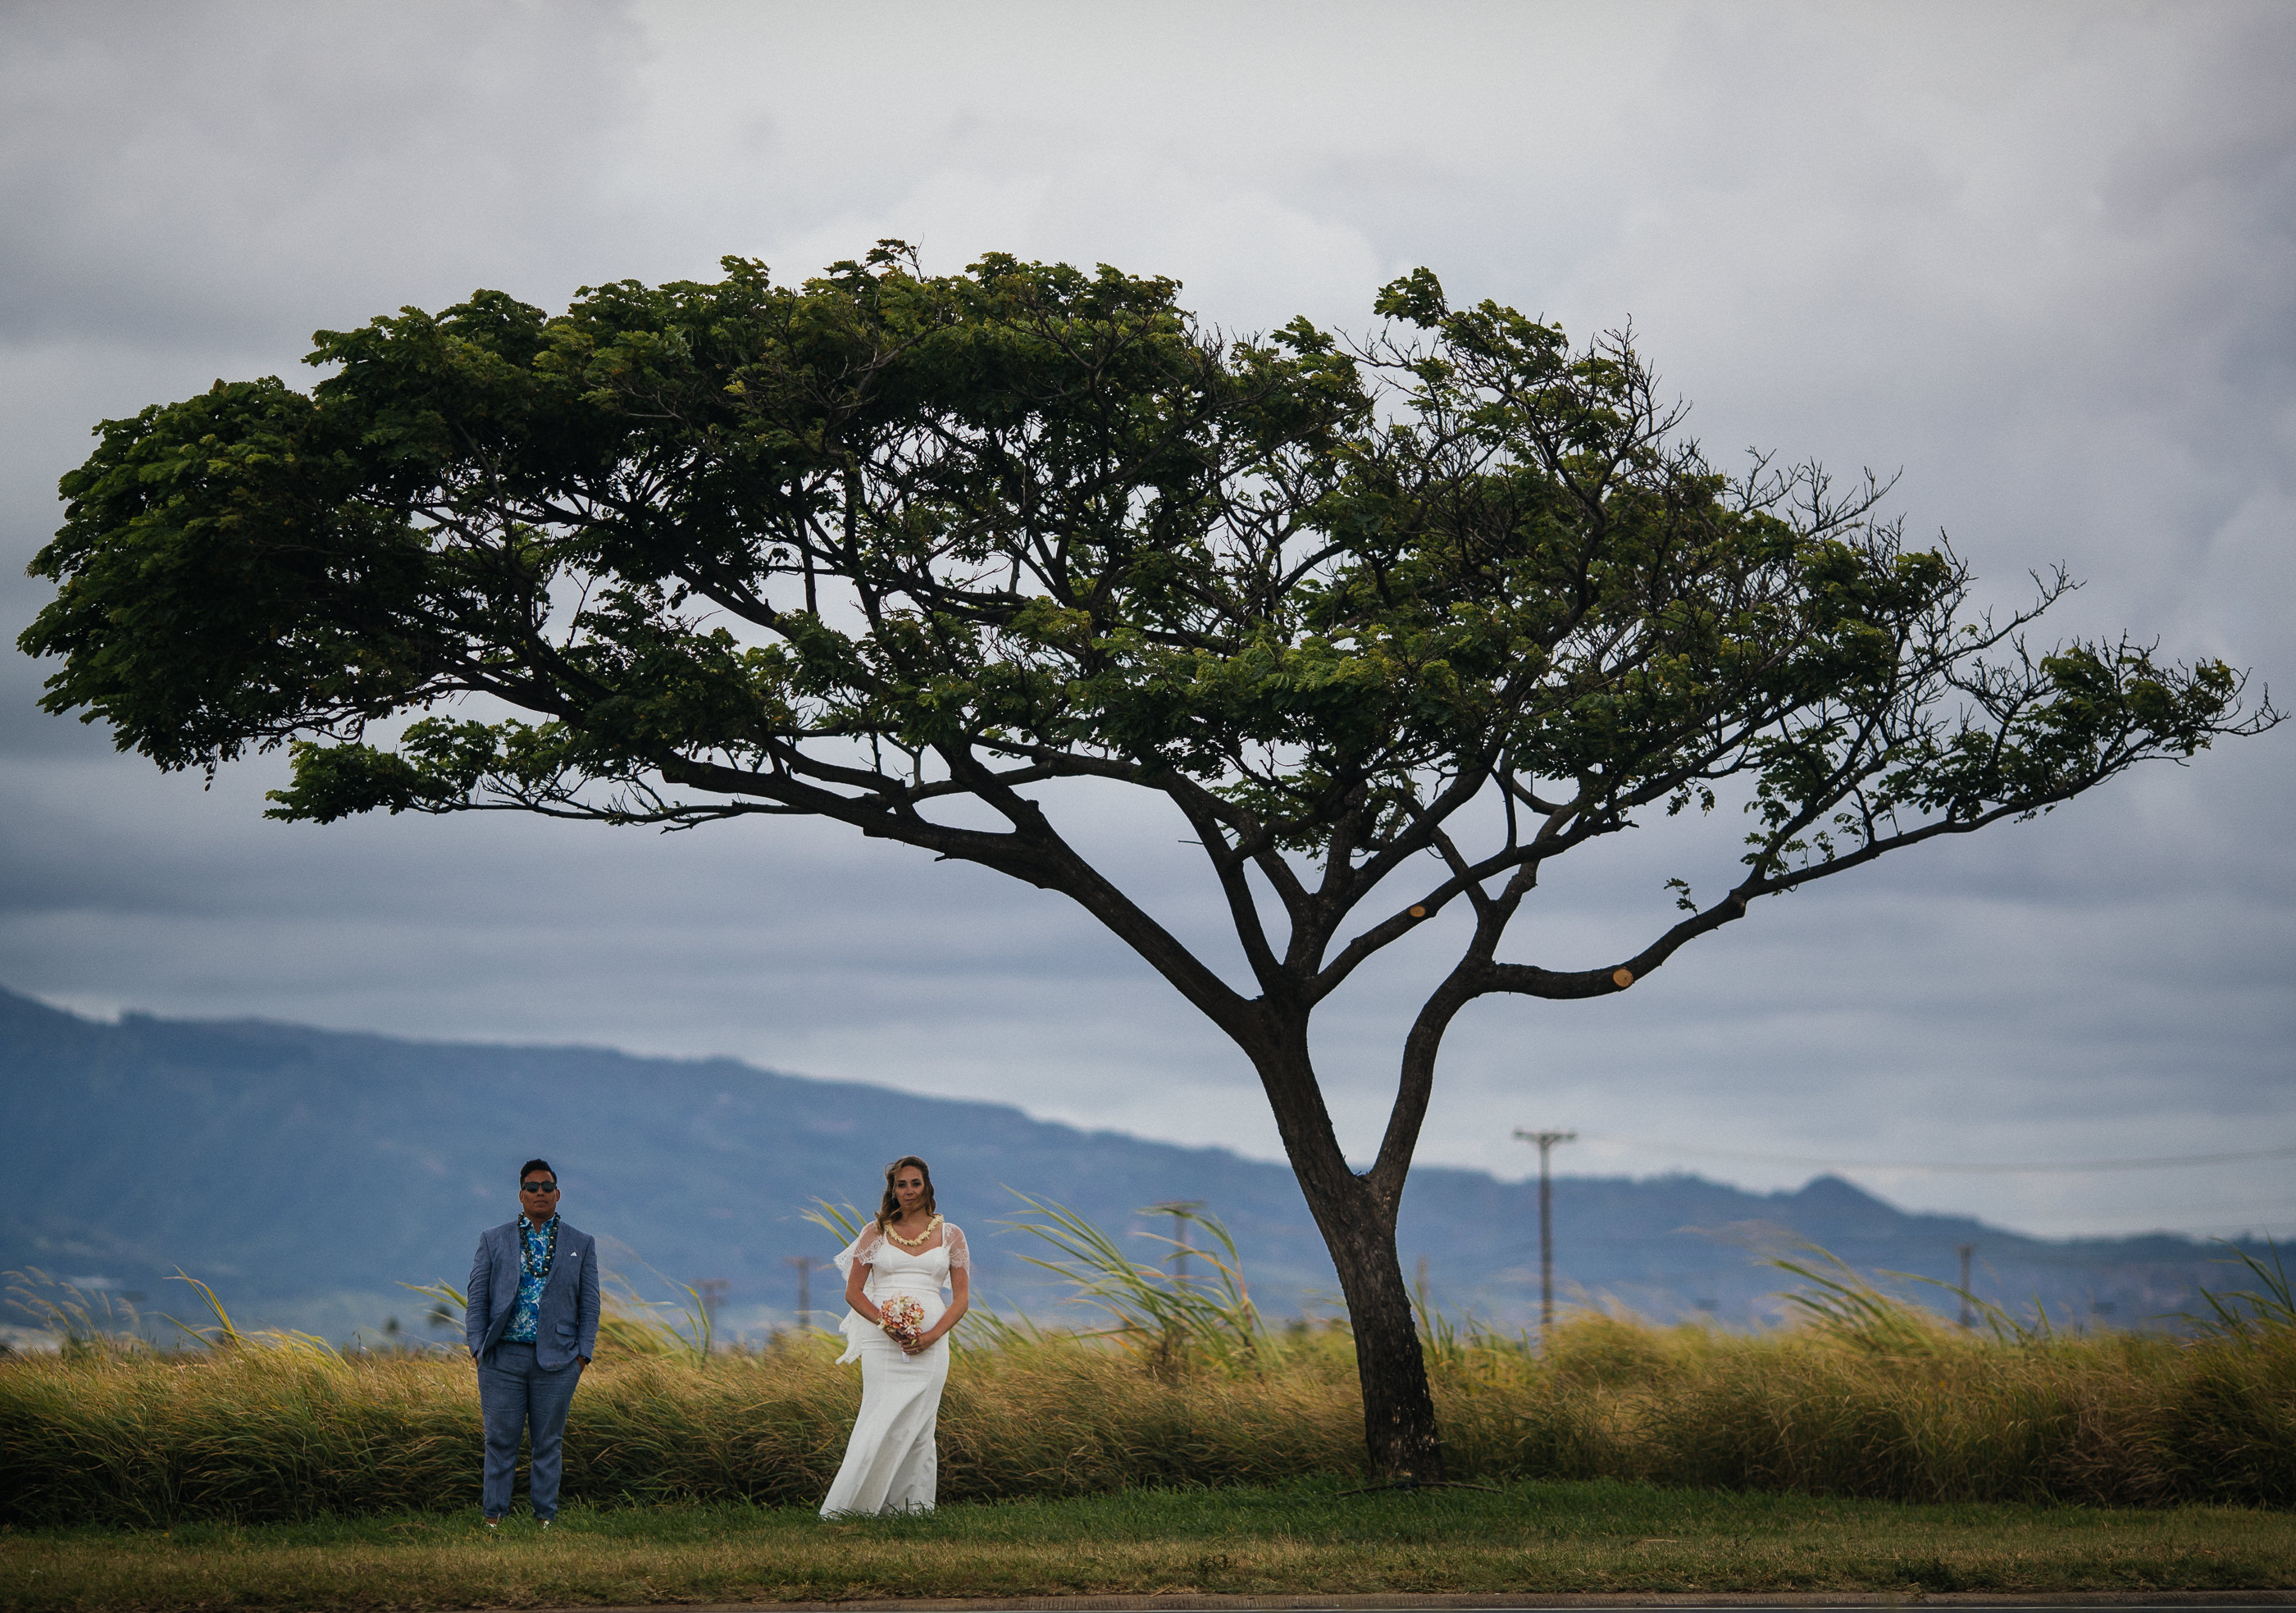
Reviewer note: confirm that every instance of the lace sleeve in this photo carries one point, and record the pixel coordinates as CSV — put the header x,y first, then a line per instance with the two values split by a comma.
x,y
861,1251
959,1259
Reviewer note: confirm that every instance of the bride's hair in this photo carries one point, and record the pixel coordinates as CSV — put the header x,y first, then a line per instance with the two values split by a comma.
x,y
891,1206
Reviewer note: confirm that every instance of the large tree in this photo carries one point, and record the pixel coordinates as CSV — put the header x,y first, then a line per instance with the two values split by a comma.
x,y
1389,625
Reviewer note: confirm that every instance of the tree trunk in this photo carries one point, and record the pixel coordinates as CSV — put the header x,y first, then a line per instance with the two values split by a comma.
x,y
1358,1227
1400,1429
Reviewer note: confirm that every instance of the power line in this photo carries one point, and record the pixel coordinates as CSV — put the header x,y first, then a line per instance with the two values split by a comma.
x,y
1955,1168
2281,1207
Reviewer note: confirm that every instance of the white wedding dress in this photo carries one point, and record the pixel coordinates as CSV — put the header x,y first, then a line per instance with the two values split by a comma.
x,y
891,1465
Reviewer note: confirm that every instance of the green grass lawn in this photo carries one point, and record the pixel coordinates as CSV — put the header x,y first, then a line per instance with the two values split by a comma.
x,y
1592,1537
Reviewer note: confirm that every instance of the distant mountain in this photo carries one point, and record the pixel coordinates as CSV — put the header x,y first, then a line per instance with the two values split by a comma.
x,y
305,1172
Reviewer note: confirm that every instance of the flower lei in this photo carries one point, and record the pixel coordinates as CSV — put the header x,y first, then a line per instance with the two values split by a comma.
x,y
549,1252
919,1240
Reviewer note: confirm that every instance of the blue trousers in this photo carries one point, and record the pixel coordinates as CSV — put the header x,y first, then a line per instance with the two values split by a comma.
x,y
517,1396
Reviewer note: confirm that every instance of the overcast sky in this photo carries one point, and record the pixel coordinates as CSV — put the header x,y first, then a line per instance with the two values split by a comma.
x,y
2039,257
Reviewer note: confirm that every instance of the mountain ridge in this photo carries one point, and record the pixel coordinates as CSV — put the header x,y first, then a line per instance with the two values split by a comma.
x,y
249,1150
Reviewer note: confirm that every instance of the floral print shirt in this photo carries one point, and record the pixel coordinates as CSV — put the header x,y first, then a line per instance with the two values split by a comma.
x,y
540,1245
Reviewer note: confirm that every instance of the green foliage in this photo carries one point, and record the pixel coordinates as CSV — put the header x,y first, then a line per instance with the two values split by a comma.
x,y
635,1325
1031,519
1841,1305
842,1221
1844,1305
2270,1306
222,1334
1174,1319
447,1302
630,1325
79,1321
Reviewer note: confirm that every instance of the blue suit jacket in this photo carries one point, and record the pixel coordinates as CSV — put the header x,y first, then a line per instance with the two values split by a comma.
x,y
569,1322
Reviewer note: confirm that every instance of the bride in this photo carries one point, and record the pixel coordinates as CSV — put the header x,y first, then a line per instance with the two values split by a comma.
x,y
899,1331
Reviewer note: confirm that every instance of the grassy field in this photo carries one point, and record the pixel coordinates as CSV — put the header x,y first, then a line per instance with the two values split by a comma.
x,y
253,1435
1599,1536
1871,1448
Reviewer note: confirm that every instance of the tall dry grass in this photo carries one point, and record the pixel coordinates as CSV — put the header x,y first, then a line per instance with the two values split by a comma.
x,y
1866,1397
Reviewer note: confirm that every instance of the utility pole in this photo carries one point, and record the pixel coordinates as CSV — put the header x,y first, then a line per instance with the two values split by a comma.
x,y
1967,1249
1546,1142
1180,1211
712,1291
804,1264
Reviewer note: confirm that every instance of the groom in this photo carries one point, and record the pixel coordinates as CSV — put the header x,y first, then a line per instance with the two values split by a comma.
x,y
532,1323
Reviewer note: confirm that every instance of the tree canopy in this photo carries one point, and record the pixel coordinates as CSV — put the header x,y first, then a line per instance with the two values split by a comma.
x,y
1391,623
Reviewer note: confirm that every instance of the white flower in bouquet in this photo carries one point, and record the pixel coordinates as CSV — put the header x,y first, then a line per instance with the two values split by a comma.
x,y
903,1317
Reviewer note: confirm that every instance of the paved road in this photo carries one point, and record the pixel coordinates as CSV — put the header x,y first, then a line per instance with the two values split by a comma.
x,y
2194,1602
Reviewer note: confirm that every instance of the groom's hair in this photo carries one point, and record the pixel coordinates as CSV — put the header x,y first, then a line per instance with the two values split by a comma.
x,y
532,1166
891,1205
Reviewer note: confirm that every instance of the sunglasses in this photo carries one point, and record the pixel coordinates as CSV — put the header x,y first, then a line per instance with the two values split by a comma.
x,y
537,1187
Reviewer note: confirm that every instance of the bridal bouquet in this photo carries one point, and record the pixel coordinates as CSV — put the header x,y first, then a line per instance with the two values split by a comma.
x,y
904,1319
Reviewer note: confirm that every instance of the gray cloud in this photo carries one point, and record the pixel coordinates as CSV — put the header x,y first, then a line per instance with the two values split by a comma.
x,y
2040,256
191,176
